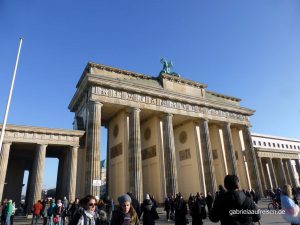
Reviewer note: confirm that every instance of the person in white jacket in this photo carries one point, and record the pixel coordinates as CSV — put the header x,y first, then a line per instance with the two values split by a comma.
x,y
291,210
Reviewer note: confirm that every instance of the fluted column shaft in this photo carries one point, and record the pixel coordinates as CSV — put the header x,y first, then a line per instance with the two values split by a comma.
x,y
263,179
292,174
282,172
288,174
4,156
65,174
59,178
230,156
251,162
298,169
93,147
135,155
72,173
209,169
169,155
37,175
272,173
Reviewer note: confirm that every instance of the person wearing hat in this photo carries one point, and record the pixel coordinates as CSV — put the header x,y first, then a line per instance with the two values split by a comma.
x,y
149,211
125,213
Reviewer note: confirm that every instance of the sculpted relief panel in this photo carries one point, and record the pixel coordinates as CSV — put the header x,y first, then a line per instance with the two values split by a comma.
x,y
167,103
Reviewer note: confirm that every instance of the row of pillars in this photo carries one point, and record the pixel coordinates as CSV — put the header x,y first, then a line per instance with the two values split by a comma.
x,y
278,173
66,187
135,161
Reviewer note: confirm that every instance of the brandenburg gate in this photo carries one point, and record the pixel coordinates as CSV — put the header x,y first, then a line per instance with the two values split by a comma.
x,y
165,134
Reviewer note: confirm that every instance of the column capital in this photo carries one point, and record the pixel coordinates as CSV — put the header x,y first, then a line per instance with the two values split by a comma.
x,y
132,109
74,146
95,102
168,114
203,119
6,143
39,145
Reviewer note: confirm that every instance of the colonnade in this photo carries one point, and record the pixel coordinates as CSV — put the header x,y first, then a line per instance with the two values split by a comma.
x,y
245,167
276,172
66,182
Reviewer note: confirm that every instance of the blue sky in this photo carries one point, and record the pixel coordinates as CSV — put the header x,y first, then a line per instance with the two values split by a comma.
x,y
247,49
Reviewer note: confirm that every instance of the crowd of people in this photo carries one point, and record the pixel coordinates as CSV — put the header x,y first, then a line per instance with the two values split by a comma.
x,y
7,212
91,210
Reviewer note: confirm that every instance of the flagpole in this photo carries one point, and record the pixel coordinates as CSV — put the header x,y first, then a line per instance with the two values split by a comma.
x,y
10,94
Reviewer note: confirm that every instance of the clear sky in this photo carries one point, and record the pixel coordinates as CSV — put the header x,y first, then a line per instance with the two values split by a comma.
x,y
247,49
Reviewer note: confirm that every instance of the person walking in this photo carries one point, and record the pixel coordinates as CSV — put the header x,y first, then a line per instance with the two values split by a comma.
x,y
172,203
149,211
57,213
109,207
180,210
87,213
135,204
125,214
65,212
233,199
13,213
168,207
36,209
50,212
44,213
289,206
74,208
209,201
8,212
197,210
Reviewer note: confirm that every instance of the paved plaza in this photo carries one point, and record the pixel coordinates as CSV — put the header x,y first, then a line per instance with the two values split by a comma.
x,y
266,219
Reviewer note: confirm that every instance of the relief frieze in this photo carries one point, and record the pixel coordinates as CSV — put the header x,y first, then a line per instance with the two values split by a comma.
x,y
167,103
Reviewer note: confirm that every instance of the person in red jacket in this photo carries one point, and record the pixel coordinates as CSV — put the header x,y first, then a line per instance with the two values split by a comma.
x,y
36,209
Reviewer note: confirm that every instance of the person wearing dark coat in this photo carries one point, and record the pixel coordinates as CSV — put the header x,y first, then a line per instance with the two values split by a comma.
x,y
148,209
108,206
125,213
74,207
168,207
197,210
209,201
172,203
180,210
135,204
233,199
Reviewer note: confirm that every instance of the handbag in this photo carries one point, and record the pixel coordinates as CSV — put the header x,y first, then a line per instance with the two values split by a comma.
x,y
56,219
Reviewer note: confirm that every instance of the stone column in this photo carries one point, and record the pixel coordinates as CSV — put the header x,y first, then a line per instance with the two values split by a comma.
x,y
93,147
261,169
169,155
282,172
288,175
210,177
59,178
4,156
65,174
199,156
290,169
230,154
298,168
107,160
73,152
36,183
272,173
135,155
252,163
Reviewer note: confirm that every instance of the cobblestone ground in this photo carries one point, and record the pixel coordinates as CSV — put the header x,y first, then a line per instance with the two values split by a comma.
x,y
265,219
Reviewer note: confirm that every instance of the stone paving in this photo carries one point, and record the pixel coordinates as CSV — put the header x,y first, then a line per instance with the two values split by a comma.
x,y
265,219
